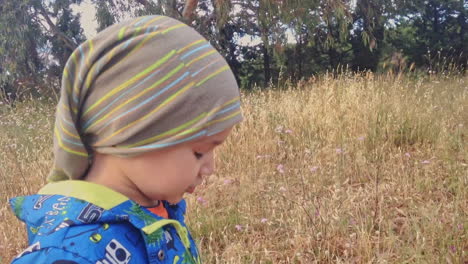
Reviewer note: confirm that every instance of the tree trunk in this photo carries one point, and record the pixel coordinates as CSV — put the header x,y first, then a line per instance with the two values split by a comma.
x,y
333,58
189,10
266,61
298,59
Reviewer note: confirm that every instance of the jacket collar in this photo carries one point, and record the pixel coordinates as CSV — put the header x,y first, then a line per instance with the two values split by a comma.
x,y
117,203
96,194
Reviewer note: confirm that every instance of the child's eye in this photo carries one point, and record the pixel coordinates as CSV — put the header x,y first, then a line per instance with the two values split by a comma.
x,y
198,155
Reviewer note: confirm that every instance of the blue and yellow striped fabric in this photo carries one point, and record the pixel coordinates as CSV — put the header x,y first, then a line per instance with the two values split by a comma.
x,y
144,84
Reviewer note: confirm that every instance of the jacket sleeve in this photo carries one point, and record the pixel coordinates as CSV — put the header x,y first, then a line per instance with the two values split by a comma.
x,y
50,255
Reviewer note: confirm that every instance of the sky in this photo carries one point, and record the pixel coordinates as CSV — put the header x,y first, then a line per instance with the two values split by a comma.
x,y
88,18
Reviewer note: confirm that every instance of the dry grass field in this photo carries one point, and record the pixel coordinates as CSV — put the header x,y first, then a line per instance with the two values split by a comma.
x,y
353,169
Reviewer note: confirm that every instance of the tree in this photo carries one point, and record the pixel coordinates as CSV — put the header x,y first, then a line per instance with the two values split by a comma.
x,y
19,41
291,39
67,33
438,32
31,42
369,20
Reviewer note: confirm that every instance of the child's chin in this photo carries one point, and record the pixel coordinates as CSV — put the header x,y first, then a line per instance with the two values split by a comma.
x,y
175,200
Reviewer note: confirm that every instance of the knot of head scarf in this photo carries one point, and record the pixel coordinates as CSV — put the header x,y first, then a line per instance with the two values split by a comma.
x,y
144,84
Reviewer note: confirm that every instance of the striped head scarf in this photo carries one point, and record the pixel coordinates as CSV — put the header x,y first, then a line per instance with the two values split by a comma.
x,y
144,84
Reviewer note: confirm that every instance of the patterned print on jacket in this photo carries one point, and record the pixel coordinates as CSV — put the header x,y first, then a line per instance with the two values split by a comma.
x,y
72,222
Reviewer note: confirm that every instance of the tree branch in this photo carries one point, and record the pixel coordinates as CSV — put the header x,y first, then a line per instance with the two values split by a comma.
x,y
189,9
144,3
66,40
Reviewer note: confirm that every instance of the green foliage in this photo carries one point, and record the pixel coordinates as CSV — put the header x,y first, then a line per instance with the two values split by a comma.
x,y
20,39
34,35
291,40
104,16
432,32
69,24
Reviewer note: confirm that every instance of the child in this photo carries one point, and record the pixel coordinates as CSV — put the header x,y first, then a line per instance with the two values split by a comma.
x,y
142,107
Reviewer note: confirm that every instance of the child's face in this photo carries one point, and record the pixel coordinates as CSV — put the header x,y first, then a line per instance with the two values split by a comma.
x,y
169,173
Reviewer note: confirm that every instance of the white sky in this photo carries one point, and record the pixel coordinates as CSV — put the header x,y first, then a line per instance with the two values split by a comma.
x,y
88,17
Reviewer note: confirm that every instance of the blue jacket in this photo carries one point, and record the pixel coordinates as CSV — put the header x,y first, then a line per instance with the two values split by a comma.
x,y
72,222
